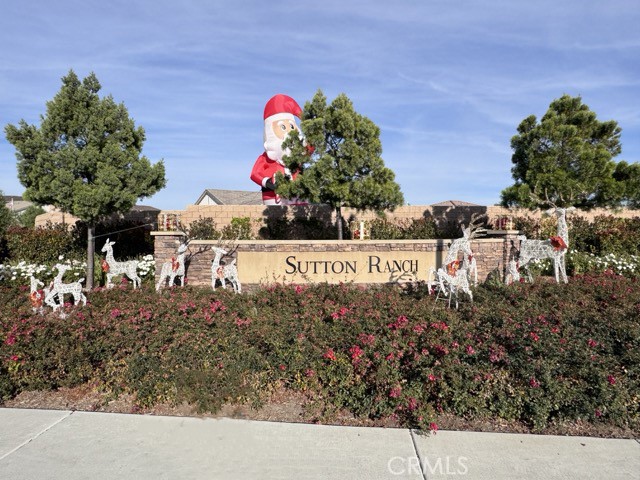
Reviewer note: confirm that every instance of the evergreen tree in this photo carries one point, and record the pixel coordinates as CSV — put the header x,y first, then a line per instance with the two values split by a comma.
x,y
6,217
565,159
85,158
628,175
345,168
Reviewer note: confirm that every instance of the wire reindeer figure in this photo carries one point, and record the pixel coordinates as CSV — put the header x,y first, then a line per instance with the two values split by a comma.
x,y
554,248
457,275
175,268
113,267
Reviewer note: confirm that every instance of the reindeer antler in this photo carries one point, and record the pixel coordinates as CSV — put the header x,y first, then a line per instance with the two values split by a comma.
x,y
230,245
475,228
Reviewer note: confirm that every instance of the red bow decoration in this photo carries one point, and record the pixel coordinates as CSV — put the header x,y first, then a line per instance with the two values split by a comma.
x,y
36,298
558,243
105,266
453,267
175,265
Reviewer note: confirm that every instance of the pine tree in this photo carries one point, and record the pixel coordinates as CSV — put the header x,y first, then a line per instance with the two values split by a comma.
x,y
6,218
565,159
85,158
345,168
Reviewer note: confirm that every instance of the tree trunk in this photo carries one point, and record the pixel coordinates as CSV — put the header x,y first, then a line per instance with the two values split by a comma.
x,y
91,249
339,221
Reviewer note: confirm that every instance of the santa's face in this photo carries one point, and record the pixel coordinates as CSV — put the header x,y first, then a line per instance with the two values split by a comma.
x,y
275,133
282,128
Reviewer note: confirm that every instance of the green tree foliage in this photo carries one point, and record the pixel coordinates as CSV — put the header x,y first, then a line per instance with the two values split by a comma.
x,y
6,217
567,159
85,158
345,168
628,174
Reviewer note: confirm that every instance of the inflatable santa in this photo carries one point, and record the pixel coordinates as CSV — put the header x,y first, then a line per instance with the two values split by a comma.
x,y
280,114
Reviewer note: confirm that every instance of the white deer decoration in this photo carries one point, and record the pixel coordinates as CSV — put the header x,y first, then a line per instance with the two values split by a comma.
x,y
554,248
457,276
452,281
224,272
37,296
59,289
113,267
173,269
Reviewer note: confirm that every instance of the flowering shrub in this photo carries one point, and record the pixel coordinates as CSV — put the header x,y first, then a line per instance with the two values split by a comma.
x,y
623,264
147,267
19,273
539,354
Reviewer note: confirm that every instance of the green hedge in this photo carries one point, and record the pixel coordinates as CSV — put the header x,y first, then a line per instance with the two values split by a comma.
x,y
539,354
44,245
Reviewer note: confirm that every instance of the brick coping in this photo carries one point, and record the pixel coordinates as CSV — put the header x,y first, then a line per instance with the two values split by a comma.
x,y
340,242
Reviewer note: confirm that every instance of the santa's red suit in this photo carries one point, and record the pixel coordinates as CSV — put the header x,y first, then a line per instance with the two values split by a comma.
x,y
279,113
263,173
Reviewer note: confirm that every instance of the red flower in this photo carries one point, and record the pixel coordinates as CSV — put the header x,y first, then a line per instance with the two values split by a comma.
x,y
366,339
395,392
533,383
592,343
433,427
412,404
11,339
340,313
611,379
282,367
400,322
329,355
470,350
356,352
432,377
534,336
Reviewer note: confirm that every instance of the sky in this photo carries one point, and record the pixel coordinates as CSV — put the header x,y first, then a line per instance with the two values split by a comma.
x,y
447,81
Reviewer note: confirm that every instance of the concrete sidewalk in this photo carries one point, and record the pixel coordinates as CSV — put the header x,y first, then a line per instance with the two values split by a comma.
x,y
46,444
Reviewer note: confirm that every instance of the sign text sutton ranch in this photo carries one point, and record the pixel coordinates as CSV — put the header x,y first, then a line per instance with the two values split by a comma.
x,y
334,267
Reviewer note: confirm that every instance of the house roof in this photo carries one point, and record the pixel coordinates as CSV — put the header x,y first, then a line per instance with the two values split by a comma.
x,y
455,203
232,197
15,203
144,208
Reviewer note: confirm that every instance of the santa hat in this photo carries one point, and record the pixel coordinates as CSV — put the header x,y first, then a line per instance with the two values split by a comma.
x,y
281,107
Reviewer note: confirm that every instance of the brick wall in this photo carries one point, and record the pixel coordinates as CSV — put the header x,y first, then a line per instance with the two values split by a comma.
x,y
491,253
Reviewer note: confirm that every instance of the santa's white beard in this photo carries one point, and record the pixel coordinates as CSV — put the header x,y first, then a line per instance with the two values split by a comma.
x,y
273,147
